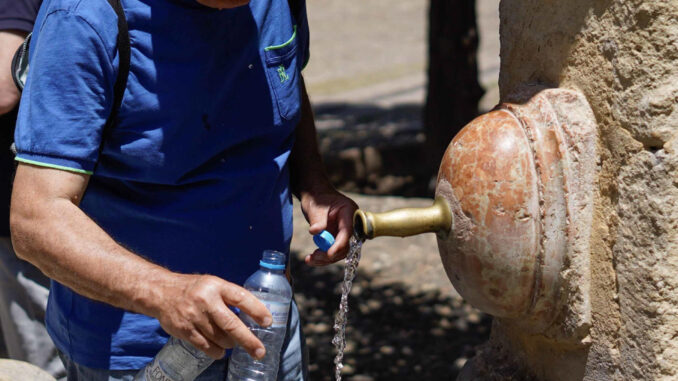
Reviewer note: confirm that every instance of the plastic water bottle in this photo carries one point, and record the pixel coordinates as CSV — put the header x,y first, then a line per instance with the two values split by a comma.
x,y
271,287
178,360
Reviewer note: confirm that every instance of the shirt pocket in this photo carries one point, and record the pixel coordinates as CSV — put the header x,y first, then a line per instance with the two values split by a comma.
x,y
283,75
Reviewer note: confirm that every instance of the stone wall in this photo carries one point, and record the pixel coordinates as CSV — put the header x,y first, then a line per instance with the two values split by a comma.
x,y
623,56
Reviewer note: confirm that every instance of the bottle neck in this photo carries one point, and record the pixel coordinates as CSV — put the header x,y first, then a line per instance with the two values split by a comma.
x,y
275,268
273,271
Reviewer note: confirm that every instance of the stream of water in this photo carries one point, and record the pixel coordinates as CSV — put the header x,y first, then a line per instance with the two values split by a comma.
x,y
339,340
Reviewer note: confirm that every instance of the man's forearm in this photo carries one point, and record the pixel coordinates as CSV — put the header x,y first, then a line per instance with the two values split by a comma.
x,y
56,236
9,43
308,172
323,206
50,231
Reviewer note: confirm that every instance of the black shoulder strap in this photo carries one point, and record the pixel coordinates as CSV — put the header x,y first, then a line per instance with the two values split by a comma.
x,y
295,7
123,70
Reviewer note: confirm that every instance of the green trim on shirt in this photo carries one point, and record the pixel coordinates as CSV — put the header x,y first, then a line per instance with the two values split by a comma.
x,y
53,166
273,47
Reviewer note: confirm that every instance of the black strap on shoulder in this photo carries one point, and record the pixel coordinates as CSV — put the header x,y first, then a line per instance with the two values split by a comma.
x,y
295,7
124,54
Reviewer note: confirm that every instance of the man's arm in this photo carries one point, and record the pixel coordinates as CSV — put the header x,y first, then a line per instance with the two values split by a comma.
x,y
52,232
10,40
324,207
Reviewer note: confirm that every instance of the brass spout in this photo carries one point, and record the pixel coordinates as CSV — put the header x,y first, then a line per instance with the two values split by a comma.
x,y
436,218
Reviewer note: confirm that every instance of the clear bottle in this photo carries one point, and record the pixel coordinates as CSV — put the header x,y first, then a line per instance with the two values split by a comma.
x,y
272,288
178,360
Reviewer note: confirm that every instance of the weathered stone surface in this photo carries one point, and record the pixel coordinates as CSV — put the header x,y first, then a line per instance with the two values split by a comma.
x,y
519,182
621,54
489,178
12,370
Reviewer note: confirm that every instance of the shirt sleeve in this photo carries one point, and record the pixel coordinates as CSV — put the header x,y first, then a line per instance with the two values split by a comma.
x,y
303,34
18,14
68,95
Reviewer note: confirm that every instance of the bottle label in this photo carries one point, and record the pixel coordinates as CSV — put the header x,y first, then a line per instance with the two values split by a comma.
x,y
177,361
156,373
279,311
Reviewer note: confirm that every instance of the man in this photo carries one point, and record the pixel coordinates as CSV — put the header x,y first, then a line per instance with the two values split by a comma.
x,y
23,288
214,133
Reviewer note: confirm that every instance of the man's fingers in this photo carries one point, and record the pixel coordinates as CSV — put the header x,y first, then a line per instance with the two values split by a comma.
x,y
213,331
237,296
204,344
341,243
340,248
229,323
344,221
341,220
317,228
248,304
317,258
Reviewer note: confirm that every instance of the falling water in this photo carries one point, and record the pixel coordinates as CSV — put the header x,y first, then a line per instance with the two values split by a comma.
x,y
339,340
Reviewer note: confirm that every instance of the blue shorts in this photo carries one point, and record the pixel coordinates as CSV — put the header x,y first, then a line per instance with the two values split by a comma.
x,y
293,361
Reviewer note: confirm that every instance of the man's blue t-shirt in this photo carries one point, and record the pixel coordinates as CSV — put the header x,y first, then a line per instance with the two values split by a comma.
x,y
194,175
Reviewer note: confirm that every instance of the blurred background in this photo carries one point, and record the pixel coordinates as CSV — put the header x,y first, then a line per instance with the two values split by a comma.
x,y
391,82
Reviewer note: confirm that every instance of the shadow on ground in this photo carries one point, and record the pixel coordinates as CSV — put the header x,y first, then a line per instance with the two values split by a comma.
x,y
392,334
363,124
372,149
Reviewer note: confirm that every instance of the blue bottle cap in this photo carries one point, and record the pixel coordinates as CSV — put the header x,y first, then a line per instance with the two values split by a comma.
x,y
324,240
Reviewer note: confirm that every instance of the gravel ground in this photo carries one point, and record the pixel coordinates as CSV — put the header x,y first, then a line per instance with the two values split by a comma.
x,y
405,320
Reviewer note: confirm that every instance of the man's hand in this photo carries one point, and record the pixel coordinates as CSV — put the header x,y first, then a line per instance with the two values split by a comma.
x,y
195,309
332,211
